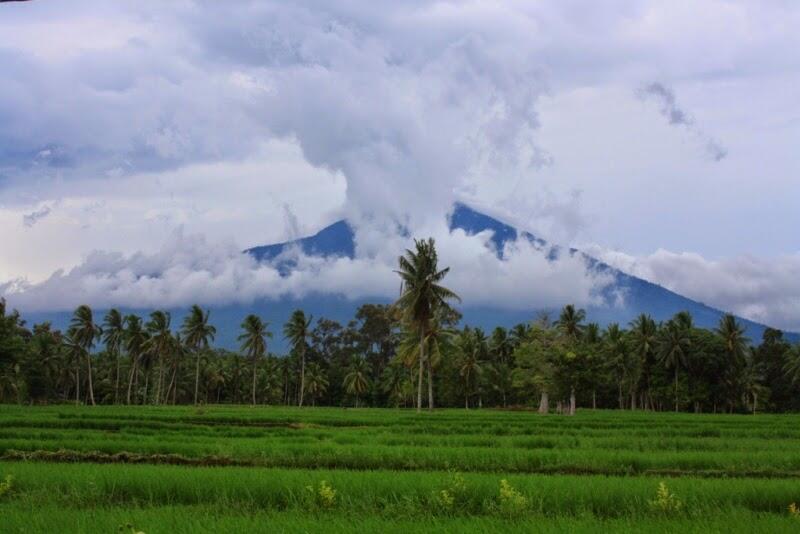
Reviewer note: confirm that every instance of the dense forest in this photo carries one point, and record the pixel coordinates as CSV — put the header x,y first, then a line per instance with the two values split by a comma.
x,y
410,354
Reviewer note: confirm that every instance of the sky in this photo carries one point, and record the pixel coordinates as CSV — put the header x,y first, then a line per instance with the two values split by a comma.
x,y
143,144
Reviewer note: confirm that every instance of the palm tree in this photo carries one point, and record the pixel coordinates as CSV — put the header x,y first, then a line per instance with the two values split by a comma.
x,y
751,379
178,351
254,344
297,331
470,364
618,356
159,344
792,365
732,334
570,322
74,352
135,340
643,335
356,381
673,347
316,382
197,333
421,295
113,337
84,333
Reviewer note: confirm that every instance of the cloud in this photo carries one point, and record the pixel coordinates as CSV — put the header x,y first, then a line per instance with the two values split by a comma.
x,y
190,269
676,116
29,219
766,290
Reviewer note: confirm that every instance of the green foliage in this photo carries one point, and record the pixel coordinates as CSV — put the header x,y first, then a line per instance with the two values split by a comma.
x,y
322,496
665,502
511,503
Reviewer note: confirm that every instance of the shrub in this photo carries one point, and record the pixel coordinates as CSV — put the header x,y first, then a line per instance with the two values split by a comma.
x,y
511,501
454,493
324,495
665,501
6,485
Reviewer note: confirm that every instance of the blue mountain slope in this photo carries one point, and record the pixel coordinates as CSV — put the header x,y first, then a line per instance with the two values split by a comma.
x,y
640,296
338,240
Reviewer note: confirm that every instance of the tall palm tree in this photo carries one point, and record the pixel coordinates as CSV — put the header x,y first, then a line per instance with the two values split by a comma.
x,y
297,331
792,365
616,348
159,344
643,335
570,322
197,333
135,340
316,382
733,335
673,348
178,351
421,295
85,332
254,344
113,338
470,365
74,352
356,381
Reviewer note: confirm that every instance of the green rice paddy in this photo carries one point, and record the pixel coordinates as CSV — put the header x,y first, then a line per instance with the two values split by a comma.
x,y
241,469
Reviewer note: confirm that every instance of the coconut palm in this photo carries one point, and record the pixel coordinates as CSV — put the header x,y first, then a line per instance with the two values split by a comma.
x,y
84,333
135,340
570,322
73,352
159,344
316,382
643,338
296,331
197,333
469,366
673,348
732,334
421,295
113,338
356,381
254,344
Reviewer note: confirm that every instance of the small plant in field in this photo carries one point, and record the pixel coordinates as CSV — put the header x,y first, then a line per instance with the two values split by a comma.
x,y
324,495
794,510
6,485
665,501
454,492
511,501
129,529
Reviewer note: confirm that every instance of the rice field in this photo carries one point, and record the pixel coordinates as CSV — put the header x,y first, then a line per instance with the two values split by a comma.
x,y
265,469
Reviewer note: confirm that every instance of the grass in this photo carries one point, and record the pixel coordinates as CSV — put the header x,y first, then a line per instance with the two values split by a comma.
x,y
292,470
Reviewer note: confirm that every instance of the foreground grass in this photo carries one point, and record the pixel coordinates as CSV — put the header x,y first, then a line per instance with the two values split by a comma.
x,y
336,470
25,518
477,441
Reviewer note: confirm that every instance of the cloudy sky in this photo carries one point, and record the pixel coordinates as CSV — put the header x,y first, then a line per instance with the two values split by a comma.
x,y
144,143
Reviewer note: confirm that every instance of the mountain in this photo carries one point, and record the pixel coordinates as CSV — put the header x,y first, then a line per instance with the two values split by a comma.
x,y
337,239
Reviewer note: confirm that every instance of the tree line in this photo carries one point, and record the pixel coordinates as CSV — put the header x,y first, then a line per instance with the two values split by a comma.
x,y
413,353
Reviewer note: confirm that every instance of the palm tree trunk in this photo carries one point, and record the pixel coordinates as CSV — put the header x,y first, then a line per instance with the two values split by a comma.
x,y
196,377
421,365
130,380
594,399
254,381
676,388
116,380
89,366
755,402
430,385
302,373
78,383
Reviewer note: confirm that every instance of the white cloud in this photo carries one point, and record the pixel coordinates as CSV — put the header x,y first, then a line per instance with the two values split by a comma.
x,y
766,290
135,118
192,269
